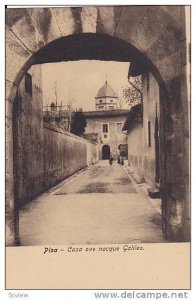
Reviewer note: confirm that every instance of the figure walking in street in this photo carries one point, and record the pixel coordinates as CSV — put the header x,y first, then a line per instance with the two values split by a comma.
x,y
111,160
122,161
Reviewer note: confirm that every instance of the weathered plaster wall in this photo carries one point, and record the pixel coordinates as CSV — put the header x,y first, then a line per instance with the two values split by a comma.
x,y
43,154
151,109
135,149
64,154
28,139
92,153
141,154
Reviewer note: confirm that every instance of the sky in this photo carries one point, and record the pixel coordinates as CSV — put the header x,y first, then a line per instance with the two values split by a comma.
x,y
81,81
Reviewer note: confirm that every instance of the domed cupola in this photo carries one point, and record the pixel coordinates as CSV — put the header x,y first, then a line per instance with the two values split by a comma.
x,y
106,98
106,91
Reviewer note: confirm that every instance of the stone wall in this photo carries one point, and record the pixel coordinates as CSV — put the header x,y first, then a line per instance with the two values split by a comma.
x,y
28,139
43,154
64,154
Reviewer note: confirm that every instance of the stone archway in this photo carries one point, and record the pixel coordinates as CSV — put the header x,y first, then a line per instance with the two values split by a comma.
x,y
156,39
105,152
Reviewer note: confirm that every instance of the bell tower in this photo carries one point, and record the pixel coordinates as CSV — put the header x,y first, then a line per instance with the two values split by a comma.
x,y
106,98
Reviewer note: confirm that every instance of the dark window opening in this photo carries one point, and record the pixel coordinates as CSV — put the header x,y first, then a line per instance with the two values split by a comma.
x,y
105,128
148,82
28,83
149,134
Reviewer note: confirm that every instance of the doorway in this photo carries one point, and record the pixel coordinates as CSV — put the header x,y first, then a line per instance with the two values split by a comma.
x,y
106,152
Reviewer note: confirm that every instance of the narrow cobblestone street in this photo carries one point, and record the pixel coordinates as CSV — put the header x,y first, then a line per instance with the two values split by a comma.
x,y
99,205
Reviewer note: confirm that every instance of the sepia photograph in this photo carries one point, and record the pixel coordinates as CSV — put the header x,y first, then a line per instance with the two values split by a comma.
x,y
97,128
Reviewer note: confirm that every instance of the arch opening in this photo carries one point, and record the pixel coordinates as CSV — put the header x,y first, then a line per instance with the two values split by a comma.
x,y
106,152
88,46
79,47
93,46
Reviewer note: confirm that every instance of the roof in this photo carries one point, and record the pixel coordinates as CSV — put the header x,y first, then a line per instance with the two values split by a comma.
x,y
106,113
135,113
106,91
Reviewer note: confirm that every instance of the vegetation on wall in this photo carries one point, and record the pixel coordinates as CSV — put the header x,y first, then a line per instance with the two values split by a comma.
x,y
132,93
78,123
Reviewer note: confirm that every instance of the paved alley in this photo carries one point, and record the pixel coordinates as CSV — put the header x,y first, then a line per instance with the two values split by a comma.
x,y
99,205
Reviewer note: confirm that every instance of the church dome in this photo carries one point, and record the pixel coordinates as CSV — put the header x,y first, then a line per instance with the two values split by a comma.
x,y
106,91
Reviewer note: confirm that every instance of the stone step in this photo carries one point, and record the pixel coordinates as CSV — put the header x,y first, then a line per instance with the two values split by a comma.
x,y
154,192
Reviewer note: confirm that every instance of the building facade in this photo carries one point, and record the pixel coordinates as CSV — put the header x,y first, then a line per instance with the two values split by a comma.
x,y
142,126
104,125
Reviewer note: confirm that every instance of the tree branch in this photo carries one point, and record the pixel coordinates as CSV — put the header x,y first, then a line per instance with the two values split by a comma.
x,y
138,90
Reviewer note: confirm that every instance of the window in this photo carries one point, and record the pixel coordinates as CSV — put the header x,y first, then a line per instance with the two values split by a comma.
x,y
28,83
111,100
105,136
111,107
148,82
100,101
105,128
100,107
149,134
